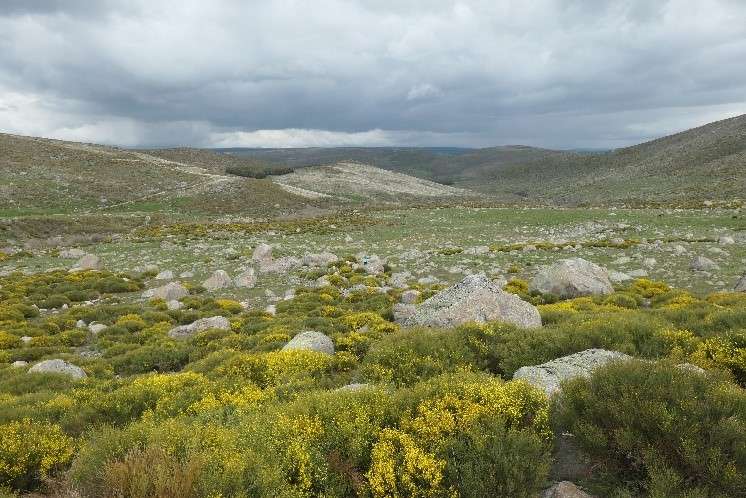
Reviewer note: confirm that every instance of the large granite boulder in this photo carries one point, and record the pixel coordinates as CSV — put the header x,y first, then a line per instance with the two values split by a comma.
x,y
310,341
474,299
549,375
60,367
187,331
572,277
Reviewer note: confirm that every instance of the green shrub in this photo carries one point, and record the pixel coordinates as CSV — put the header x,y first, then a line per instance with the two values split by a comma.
x,y
164,357
659,429
30,452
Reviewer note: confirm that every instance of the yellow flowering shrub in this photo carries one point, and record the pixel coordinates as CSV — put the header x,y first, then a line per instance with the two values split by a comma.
x,y
131,322
8,341
679,344
727,352
31,451
648,288
414,460
229,305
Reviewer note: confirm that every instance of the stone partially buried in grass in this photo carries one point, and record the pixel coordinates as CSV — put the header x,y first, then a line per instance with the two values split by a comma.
x,y
187,331
572,277
310,341
549,375
59,367
170,292
474,299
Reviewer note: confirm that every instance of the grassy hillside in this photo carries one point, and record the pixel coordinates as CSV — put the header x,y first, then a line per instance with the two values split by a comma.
x,y
688,168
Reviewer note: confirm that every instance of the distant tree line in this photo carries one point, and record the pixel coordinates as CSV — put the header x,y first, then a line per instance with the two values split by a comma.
x,y
258,170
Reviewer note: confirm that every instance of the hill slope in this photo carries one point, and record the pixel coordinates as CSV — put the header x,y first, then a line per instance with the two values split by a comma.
x,y
53,176
704,163
708,162
354,182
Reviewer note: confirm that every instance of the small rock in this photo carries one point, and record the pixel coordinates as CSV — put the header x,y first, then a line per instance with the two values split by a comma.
x,y
618,277
218,280
700,263
565,489
95,328
169,292
80,324
246,279
262,253
74,253
724,240
403,312
173,305
311,341
60,367
638,273
320,260
165,275
19,364
187,331
372,264
89,262
410,296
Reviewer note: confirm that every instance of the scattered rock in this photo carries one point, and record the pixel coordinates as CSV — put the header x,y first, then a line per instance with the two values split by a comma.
x,y
169,292
80,324
165,275
649,262
372,264
173,305
549,375
320,260
19,364
218,280
724,240
281,265
186,274
311,341
262,253
95,328
58,366
187,331
403,312
410,296
475,299
618,277
88,262
565,489
638,273
246,279
477,250
573,277
74,253
700,263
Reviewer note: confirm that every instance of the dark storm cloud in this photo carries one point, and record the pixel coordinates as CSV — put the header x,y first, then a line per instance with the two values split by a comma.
x,y
289,72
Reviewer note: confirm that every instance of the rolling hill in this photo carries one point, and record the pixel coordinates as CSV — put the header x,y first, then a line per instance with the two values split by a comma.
x,y
688,168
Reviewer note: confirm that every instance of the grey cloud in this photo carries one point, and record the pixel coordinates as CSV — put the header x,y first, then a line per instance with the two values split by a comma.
x,y
554,73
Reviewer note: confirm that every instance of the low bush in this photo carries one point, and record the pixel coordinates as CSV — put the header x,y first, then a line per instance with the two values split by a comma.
x,y
659,429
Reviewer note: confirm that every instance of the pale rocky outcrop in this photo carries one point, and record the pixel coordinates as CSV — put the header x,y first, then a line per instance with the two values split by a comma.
x,y
187,331
549,375
573,277
218,280
474,299
311,341
60,367
169,292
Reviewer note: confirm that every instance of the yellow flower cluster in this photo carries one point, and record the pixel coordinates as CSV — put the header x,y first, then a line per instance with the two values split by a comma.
x,y
29,451
409,462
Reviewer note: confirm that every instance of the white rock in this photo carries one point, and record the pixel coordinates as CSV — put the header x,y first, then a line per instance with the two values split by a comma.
x,y
549,375
169,292
310,341
60,367
218,280
572,278
89,262
247,279
262,253
165,275
187,331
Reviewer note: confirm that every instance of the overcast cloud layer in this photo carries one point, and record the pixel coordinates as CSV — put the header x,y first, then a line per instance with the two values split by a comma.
x,y
564,74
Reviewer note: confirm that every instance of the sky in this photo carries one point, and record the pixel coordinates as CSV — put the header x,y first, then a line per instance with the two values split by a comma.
x,y
298,73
